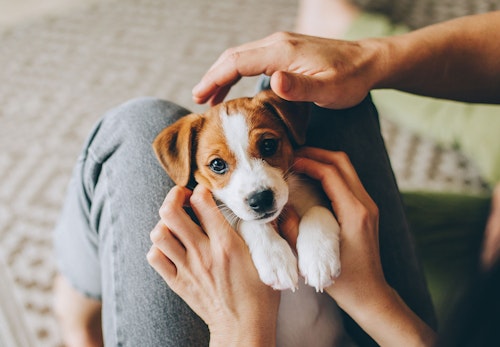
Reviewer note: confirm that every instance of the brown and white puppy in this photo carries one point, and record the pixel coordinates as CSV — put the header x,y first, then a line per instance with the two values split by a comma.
x,y
242,150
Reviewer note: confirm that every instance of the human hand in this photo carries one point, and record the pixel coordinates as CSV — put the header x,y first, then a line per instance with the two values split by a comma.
x,y
361,289
330,73
357,215
211,269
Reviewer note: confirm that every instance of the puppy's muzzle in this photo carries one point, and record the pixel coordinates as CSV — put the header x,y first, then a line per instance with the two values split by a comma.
x,y
262,202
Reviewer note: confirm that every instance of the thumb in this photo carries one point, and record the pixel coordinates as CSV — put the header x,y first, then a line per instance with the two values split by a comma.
x,y
298,87
205,208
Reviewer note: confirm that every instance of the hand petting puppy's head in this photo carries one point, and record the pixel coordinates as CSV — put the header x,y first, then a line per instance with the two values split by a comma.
x,y
241,150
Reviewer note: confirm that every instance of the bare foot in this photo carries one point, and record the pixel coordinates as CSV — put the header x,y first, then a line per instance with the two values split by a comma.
x,y
325,18
79,317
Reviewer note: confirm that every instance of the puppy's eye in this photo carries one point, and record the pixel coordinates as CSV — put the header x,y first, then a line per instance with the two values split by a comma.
x,y
218,166
268,147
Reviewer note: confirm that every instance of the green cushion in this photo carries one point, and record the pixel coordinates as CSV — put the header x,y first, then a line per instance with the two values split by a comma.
x,y
474,129
448,230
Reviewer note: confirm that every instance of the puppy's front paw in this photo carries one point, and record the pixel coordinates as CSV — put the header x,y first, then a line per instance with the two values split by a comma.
x,y
277,265
272,256
318,248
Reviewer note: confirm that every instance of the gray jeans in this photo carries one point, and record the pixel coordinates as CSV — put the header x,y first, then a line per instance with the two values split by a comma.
x,y
112,204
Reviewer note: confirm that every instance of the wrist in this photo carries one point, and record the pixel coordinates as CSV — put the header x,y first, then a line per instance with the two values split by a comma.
x,y
251,333
377,67
389,321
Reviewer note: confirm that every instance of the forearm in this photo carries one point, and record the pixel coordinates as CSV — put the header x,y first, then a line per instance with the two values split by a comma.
x,y
384,316
458,59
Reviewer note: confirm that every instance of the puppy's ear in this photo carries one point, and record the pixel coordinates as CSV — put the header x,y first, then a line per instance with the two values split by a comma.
x,y
295,115
174,147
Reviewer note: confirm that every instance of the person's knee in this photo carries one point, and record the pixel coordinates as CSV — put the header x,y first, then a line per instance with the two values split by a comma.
x,y
145,115
131,127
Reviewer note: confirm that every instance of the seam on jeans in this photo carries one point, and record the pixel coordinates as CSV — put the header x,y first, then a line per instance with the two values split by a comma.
x,y
114,274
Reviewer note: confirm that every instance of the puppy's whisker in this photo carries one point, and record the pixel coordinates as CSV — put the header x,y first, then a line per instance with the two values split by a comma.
x,y
231,218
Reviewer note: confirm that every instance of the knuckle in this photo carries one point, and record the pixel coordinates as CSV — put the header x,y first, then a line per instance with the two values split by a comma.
x,y
330,171
156,234
168,211
285,40
282,36
367,215
232,57
199,200
228,52
374,211
363,213
153,256
341,157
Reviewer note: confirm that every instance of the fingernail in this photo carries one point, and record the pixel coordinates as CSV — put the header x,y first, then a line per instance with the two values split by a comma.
x,y
286,83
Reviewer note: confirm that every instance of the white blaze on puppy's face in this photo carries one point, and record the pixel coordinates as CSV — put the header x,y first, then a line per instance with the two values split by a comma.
x,y
251,173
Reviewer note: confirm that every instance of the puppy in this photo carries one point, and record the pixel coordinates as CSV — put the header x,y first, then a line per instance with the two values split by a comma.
x,y
242,150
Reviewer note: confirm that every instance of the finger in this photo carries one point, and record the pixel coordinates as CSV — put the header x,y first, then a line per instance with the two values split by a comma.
x,y
207,211
164,266
229,71
318,154
177,220
300,87
219,95
168,244
333,183
251,59
342,162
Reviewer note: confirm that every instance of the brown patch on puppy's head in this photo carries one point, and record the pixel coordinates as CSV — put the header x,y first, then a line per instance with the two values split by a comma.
x,y
295,115
188,148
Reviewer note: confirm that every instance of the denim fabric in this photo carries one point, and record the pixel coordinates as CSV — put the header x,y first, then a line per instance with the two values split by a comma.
x,y
117,188
356,131
102,237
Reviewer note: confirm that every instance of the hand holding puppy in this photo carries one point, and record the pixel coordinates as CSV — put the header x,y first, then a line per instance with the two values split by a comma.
x,y
361,289
211,269
357,215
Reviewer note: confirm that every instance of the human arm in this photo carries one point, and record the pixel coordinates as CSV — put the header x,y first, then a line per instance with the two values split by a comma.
x,y
361,289
456,59
211,269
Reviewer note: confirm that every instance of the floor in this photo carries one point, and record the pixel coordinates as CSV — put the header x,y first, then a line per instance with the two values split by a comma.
x,y
15,12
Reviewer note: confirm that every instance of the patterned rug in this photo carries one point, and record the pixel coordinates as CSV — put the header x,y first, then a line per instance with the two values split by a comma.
x,y
59,74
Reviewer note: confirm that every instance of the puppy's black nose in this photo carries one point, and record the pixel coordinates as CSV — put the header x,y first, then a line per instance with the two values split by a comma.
x,y
261,201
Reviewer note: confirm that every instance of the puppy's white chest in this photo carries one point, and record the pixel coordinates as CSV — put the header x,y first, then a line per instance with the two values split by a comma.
x,y
308,318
